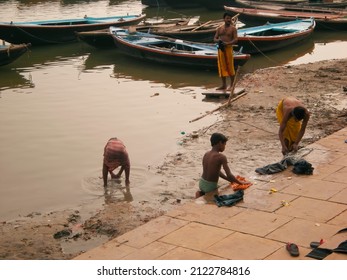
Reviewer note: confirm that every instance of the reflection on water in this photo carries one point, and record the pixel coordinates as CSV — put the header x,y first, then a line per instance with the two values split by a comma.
x,y
117,194
130,68
50,54
11,78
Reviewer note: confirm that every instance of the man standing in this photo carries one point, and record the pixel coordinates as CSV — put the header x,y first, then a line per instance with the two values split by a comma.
x,y
226,37
293,118
115,155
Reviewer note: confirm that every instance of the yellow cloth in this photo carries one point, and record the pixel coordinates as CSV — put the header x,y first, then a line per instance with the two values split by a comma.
x,y
292,128
226,62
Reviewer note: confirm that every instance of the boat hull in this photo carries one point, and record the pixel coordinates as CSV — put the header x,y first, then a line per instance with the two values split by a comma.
x,y
42,34
99,38
276,36
324,21
9,54
175,55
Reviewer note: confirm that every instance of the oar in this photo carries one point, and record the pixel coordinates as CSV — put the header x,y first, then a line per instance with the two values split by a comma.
x,y
198,27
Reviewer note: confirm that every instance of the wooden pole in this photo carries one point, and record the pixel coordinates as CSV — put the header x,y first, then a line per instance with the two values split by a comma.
x,y
221,106
198,27
230,99
233,85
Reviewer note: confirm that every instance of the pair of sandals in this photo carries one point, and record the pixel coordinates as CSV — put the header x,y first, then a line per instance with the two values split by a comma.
x,y
293,249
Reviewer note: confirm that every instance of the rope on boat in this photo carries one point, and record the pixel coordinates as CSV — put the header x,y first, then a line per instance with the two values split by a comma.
x,y
263,54
38,38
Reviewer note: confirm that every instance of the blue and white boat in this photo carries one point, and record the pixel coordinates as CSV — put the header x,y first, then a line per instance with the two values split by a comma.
x,y
59,31
273,36
170,51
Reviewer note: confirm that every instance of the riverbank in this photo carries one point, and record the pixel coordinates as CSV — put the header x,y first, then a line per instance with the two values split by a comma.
x,y
252,128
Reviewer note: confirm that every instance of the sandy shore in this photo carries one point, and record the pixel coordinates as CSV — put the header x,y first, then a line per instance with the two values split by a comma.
x,y
251,126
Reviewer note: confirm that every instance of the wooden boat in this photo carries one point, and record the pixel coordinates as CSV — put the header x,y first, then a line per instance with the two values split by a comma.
x,y
154,3
59,31
270,37
199,32
180,4
170,51
301,7
9,53
324,21
103,39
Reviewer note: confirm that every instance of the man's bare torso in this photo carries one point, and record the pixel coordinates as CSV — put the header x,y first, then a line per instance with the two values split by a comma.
x,y
225,33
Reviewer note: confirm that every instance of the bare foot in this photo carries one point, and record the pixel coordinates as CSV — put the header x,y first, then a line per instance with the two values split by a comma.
x,y
199,193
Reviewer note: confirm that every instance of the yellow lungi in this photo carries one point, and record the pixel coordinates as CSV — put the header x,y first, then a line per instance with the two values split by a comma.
x,y
292,128
226,62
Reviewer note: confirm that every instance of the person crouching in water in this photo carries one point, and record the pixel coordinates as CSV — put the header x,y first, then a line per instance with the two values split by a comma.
x,y
115,155
212,163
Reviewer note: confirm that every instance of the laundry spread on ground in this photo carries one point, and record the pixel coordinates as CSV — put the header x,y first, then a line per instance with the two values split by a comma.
x,y
229,199
236,186
301,166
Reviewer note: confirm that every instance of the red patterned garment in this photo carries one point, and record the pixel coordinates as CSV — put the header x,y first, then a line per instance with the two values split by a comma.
x,y
115,154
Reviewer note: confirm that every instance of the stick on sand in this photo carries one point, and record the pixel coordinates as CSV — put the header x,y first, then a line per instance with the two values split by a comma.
x,y
230,99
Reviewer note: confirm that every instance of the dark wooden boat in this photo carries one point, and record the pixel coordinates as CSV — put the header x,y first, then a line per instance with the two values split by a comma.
x,y
324,21
59,31
181,4
154,3
272,36
9,53
180,29
199,32
103,39
301,7
323,4
170,51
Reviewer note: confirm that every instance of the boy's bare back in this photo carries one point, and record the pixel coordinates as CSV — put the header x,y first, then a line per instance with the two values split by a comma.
x,y
212,163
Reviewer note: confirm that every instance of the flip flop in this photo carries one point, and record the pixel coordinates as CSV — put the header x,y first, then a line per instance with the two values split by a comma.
x,y
292,249
314,244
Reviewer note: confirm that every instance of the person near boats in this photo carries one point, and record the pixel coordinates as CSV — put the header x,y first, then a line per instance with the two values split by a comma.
x,y
115,155
226,37
293,117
